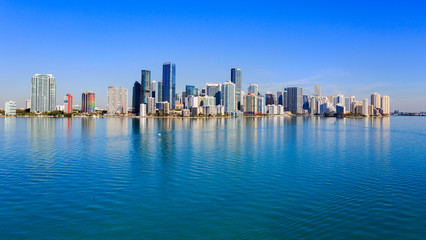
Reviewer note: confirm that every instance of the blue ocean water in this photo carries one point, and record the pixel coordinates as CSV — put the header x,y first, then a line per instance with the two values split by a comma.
x,y
237,178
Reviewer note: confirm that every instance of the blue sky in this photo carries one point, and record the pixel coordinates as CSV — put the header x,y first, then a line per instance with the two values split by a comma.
x,y
349,47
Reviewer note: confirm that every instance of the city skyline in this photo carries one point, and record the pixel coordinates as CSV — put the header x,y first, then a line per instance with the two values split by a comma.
x,y
352,55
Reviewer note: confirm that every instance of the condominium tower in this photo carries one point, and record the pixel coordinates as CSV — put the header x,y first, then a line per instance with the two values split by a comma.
x,y
236,78
117,100
169,84
88,102
229,97
43,93
68,103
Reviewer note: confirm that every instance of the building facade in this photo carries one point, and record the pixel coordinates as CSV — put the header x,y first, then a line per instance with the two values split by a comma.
x,y
68,103
88,102
43,93
295,100
117,100
385,105
169,84
136,97
145,86
236,78
375,100
10,108
229,97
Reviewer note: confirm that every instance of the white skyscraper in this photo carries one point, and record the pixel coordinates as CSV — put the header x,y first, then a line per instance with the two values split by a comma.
x,y
43,93
229,97
365,107
385,105
117,100
348,103
375,100
317,90
151,105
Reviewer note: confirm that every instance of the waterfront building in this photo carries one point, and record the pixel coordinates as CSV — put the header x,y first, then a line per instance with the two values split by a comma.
x,y
280,96
375,100
142,112
317,90
271,109
88,102
250,106
356,107
209,101
236,78
348,102
10,108
68,103
192,101
285,99
214,90
186,113
330,99
159,91
27,105
305,100
365,107
145,86
229,97
163,107
151,105
261,107
43,93
385,105
253,88
340,109
195,111
60,108
117,100
209,110
136,98
340,100
295,100
152,89
169,84
280,110
239,98
191,90
270,99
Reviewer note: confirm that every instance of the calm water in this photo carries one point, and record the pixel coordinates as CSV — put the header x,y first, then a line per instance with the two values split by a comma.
x,y
267,178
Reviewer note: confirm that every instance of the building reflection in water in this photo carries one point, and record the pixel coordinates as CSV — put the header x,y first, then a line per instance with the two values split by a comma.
x,y
87,127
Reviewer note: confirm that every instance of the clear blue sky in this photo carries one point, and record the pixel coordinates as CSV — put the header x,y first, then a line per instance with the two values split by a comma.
x,y
349,47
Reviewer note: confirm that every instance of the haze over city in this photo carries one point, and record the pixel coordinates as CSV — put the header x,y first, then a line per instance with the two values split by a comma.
x,y
350,49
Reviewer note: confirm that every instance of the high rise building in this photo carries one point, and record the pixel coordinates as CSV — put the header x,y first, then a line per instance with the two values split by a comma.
x,y
229,97
88,102
375,100
295,100
68,103
151,105
280,98
10,108
348,103
385,105
117,100
270,99
169,83
253,88
250,106
365,107
159,91
317,90
136,98
43,93
214,90
239,98
305,105
152,89
261,107
236,78
145,86
340,100
209,101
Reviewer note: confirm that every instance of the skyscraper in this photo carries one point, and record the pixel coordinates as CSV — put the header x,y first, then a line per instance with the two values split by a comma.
x,y
145,86
43,93
236,78
365,107
295,100
88,102
190,90
214,90
152,89
385,105
375,100
117,100
169,84
250,103
280,98
270,99
68,103
136,98
159,91
253,88
229,97
305,102
317,90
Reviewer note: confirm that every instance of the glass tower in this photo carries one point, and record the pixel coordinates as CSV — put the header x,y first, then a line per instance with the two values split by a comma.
x,y
236,78
145,86
229,97
169,84
136,97
43,93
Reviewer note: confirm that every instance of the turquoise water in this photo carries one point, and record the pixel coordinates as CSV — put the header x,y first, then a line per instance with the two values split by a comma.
x,y
245,178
